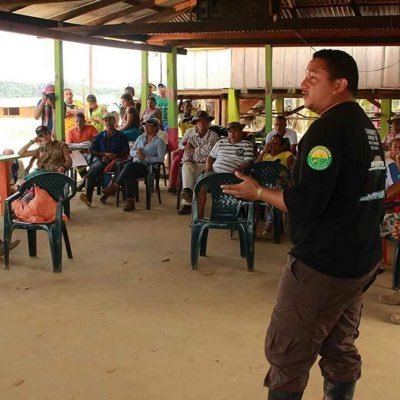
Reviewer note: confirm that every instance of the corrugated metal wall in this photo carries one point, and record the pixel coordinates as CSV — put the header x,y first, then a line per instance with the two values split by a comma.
x,y
243,68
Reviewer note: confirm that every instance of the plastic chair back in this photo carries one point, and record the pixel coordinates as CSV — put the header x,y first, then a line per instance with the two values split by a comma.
x,y
271,174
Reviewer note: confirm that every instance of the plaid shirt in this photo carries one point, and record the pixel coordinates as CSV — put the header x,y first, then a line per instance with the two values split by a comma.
x,y
202,145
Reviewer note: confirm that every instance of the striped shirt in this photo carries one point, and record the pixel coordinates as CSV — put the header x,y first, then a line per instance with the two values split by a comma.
x,y
229,156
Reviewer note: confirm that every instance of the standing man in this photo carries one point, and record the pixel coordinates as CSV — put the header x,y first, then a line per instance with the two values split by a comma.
x,y
334,207
45,107
280,128
72,108
162,104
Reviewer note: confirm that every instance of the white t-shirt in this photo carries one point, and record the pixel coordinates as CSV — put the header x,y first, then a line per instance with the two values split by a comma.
x,y
290,134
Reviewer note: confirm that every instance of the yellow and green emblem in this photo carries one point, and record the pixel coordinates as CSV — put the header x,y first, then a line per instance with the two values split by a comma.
x,y
319,158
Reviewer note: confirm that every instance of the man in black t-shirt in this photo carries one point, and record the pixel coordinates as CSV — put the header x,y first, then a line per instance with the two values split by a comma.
x,y
334,207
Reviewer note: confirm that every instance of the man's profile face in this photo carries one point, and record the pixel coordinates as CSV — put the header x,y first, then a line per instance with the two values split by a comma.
x,y
317,87
280,126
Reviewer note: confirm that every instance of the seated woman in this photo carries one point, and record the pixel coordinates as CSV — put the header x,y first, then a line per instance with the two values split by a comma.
x,y
148,148
273,151
130,119
52,155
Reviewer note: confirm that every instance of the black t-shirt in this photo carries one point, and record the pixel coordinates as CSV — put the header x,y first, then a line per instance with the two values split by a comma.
x,y
335,202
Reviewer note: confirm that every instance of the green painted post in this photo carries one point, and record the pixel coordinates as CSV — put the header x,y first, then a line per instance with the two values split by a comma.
x,y
233,106
268,88
59,86
145,80
386,108
172,86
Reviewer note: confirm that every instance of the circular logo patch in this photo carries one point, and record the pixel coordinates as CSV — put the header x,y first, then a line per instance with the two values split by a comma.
x,y
319,158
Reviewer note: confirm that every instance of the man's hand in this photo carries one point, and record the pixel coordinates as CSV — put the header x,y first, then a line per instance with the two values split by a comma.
x,y
208,168
248,189
140,154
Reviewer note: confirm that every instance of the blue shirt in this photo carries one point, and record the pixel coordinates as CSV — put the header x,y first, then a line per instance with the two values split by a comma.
x,y
117,143
154,151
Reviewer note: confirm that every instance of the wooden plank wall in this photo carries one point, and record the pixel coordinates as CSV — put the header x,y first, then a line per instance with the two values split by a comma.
x,y
243,68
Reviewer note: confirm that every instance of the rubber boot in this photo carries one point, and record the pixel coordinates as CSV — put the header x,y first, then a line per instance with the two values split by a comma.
x,y
110,190
273,395
338,390
130,205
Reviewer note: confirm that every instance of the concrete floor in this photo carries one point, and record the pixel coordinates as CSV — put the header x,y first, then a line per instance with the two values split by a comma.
x,y
127,319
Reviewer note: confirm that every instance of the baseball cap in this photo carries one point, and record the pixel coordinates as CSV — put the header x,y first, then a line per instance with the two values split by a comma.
x,y
49,88
151,121
41,130
396,117
161,85
234,125
91,97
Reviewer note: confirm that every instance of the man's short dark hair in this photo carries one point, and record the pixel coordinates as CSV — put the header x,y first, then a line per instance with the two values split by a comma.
x,y
340,65
281,118
152,99
127,97
80,115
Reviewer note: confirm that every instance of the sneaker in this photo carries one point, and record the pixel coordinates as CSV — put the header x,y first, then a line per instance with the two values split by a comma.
x,y
185,210
187,194
392,298
83,198
80,186
171,190
395,318
13,245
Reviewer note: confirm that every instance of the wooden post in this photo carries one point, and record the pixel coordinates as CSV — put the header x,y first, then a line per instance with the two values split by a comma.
x,y
145,81
172,100
233,106
386,109
59,86
268,88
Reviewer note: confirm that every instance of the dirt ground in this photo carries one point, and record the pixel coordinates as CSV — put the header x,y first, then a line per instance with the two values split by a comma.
x,y
128,319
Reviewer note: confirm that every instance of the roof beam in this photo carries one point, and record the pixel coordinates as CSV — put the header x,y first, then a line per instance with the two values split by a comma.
x,y
49,33
26,3
228,25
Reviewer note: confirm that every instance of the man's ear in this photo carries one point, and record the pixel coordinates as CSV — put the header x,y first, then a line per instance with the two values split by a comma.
x,y
340,85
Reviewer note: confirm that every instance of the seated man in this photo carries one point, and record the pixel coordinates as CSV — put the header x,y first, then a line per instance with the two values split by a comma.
x,y
280,128
394,132
197,150
81,132
52,155
107,148
228,155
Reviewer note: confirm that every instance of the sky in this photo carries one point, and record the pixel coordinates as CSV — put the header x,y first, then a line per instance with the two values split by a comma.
x,y
31,60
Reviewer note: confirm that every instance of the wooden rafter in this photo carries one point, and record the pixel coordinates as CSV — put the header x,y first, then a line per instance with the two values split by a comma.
x,y
229,25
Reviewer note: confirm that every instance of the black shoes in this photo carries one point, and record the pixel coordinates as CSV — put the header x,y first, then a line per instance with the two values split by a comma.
x,y
185,210
187,194
273,395
338,390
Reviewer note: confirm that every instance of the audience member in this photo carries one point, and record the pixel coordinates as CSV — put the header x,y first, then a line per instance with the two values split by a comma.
x,y
162,104
185,119
280,128
148,148
151,111
52,155
81,132
72,108
94,113
131,119
197,149
45,107
108,147
394,132
273,150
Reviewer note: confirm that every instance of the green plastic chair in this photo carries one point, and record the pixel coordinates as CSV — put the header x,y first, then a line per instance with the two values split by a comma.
x,y
226,213
272,174
62,188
